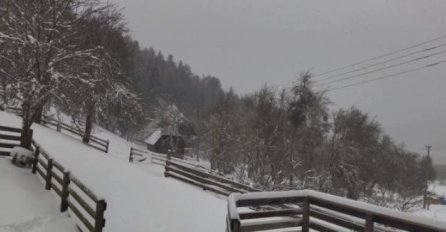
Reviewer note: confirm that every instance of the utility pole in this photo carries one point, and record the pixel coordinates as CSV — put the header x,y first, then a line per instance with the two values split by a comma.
x,y
197,130
428,147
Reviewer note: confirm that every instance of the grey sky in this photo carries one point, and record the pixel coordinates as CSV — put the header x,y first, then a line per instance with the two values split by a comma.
x,y
247,43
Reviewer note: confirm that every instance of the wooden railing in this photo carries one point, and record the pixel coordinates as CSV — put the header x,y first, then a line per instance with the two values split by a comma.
x,y
16,110
204,180
190,173
94,141
306,209
156,158
86,206
137,155
10,137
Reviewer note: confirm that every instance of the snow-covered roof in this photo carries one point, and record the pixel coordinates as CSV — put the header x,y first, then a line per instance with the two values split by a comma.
x,y
170,131
153,137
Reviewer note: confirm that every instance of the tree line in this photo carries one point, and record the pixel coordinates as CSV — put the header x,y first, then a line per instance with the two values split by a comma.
x,y
289,139
78,56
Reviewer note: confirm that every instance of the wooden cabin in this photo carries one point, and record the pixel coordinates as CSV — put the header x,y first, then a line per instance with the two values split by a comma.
x,y
166,141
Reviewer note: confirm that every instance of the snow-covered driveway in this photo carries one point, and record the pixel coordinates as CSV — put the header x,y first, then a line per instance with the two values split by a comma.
x,y
138,200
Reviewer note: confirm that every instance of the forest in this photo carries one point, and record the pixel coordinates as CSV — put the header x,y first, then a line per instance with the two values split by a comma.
x,y
79,57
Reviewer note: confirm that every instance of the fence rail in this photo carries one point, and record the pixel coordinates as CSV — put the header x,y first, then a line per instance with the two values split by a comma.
x,y
190,173
156,158
9,138
94,141
309,209
204,180
138,155
86,206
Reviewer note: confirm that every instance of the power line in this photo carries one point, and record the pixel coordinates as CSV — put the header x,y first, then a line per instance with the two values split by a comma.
x,y
317,83
381,56
388,76
441,147
383,62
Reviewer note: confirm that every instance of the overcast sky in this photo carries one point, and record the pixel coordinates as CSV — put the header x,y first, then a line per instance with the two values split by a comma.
x,y
247,43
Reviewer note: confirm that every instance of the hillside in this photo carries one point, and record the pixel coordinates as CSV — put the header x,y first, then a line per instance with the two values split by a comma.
x,y
139,198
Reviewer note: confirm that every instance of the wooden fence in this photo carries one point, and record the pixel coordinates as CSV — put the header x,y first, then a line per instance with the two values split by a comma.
x,y
190,173
94,141
86,206
9,138
138,155
74,195
307,209
156,158
204,180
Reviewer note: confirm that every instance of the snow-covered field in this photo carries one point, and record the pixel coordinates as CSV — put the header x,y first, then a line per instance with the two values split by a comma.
x,y
139,197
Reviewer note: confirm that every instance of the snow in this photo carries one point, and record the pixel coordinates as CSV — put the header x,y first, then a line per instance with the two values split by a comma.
x,y
435,211
359,206
139,197
21,152
438,189
153,137
26,205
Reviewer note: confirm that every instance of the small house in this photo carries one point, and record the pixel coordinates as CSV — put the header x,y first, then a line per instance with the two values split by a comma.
x,y
166,141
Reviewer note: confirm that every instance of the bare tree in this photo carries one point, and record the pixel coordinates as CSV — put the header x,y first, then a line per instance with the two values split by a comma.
x,y
40,50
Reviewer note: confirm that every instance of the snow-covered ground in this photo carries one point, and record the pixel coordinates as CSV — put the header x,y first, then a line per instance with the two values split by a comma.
x,y
25,205
435,211
139,197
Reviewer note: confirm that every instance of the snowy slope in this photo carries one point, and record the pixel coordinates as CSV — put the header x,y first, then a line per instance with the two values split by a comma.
x,y
26,205
138,199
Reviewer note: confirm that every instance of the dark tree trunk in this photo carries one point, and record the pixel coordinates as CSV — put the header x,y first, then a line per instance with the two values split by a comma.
x,y
4,95
88,125
38,115
27,133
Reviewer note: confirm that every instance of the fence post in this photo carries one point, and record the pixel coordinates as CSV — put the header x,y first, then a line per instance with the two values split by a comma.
x,y
369,223
49,167
36,160
234,225
58,126
306,215
65,192
30,139
99,221
131,157
106,148
165,168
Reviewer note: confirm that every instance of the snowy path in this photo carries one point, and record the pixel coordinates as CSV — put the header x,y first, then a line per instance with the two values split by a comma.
x,y
138,199
25,205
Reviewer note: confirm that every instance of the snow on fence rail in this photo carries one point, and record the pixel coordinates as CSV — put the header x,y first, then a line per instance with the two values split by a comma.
x,y
87,207
94,141
155,158
137,153
190,173
204,180
309,209
9,138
